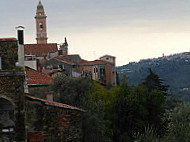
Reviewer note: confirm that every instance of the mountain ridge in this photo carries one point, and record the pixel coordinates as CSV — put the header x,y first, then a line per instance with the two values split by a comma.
x,y
173,69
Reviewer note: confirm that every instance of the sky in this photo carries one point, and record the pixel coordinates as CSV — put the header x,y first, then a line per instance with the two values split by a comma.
x,y
130,30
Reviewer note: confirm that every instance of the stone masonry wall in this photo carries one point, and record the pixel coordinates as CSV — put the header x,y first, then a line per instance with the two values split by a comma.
x,y
9,54
12,85
57,124
12,89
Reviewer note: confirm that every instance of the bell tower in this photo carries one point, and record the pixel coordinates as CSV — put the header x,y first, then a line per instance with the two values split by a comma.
x,y
41,29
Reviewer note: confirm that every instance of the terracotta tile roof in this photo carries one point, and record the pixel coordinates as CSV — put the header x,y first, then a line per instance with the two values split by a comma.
x,y
8,39
95,62
40,49
55,104
50,72
34,77
64,60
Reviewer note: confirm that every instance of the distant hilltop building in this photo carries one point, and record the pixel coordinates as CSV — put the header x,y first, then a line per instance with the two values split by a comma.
x,y
47,58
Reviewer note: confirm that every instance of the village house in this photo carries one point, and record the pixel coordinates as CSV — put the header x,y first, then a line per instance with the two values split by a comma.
x,y
24,116
48,58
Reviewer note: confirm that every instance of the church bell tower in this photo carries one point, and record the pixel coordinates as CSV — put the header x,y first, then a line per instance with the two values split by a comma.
x,y
41,29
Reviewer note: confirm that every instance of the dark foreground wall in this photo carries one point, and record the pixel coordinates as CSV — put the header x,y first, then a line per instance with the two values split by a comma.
x,y
12,93
55,124
12,115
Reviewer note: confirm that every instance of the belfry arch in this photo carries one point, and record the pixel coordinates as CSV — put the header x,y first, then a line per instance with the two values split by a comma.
x,y
7,109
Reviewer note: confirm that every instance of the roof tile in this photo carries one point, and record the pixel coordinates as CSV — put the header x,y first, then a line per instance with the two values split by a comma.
x,y
95,62
56,104
40,49
35,77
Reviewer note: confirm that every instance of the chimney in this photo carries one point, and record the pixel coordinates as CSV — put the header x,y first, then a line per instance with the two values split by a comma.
x,y
49,96
20,35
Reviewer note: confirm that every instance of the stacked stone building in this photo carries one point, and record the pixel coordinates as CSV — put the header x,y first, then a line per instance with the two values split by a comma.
x,y
26,70
25,117
47,58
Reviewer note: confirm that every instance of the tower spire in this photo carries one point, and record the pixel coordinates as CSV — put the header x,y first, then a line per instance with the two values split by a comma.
x,y
40,6
66,41
41,30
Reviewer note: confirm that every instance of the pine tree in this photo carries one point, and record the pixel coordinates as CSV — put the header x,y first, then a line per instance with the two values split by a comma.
x,y
153,82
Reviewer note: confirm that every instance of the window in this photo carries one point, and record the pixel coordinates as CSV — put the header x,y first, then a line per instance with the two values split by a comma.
x,y
102,71
107,58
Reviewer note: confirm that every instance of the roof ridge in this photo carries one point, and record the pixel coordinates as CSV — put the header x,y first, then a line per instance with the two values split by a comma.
x,y
53,103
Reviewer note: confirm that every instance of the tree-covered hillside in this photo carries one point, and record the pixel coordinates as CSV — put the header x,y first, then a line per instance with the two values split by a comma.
x,y
174,70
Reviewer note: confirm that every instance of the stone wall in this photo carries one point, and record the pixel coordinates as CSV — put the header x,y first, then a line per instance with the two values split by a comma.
x,y
57,124
9,54
12,89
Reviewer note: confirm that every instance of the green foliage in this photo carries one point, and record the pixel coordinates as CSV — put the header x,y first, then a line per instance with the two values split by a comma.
x,y
89,95
72,91
129,114
98,93
94,124
149,135
134,108
172,102
122,114
153,82
179,126
155,106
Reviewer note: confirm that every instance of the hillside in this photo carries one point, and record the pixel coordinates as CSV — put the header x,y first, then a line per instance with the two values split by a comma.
x,y
174,70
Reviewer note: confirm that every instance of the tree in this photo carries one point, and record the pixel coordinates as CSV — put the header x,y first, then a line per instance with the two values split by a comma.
x,y
135,108
89,95
148,136
72,91
94,128
179,125
129,112
153,82
155,101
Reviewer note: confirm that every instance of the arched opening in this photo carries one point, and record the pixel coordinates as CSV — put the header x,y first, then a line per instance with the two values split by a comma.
x,y
41,26
6,115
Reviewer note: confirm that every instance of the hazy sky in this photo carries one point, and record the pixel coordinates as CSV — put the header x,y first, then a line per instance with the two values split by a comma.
x,y
128,29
